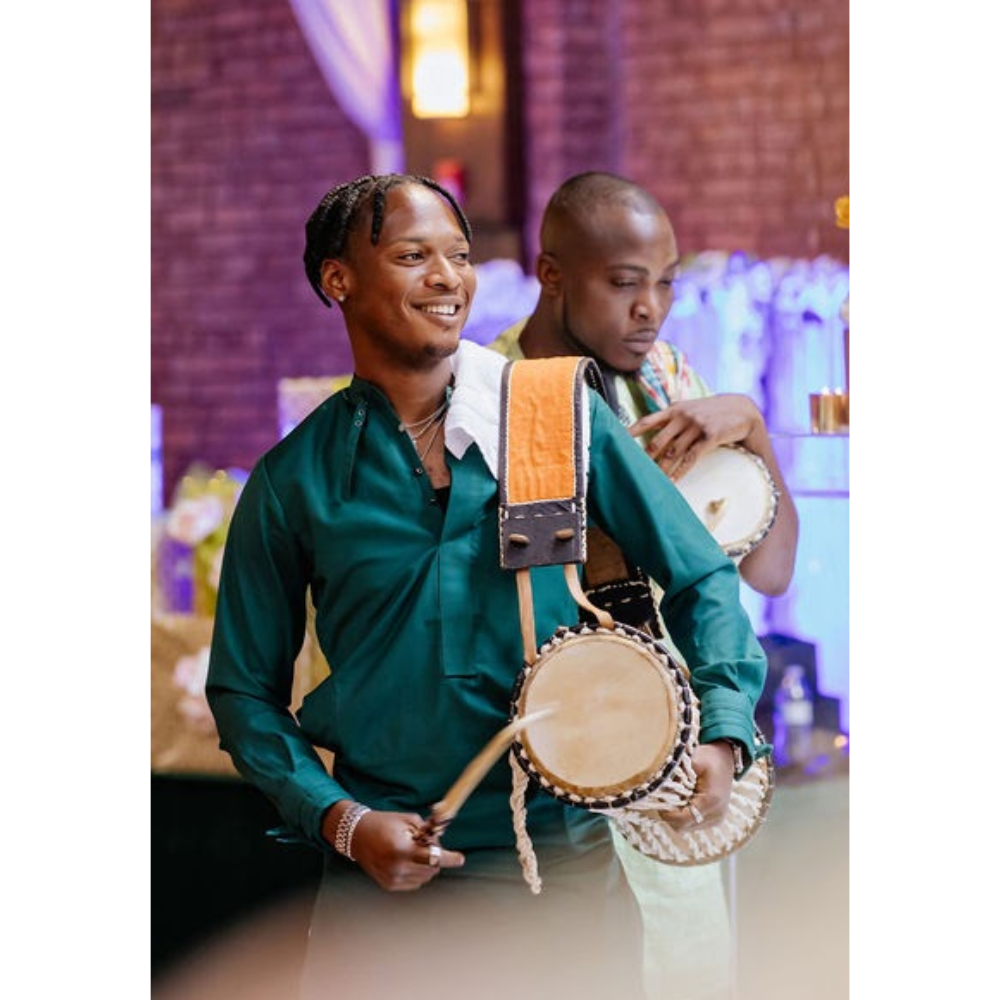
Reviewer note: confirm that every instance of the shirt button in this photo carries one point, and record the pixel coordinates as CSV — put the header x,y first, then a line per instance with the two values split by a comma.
x,y
418,471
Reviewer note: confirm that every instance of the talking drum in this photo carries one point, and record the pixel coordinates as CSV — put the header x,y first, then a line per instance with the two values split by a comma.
x,y
622,739
623,722
734,496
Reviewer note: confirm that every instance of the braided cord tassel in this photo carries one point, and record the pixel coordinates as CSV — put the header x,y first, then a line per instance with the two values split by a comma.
x,y
525,850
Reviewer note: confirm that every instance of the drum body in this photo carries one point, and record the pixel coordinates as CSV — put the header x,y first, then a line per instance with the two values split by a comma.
x,y
621,741
734,496
642,826
624,720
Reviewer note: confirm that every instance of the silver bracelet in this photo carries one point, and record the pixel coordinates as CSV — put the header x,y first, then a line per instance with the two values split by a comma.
x,y
344,836
737,749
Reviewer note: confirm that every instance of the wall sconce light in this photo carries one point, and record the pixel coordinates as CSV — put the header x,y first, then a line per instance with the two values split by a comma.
x,y
439,58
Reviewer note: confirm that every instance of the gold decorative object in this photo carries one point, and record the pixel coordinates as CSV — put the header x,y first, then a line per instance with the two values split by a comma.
x,y
842,206
829,412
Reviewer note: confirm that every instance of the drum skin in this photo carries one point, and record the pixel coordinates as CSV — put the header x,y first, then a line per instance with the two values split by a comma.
x,y
734,496
622,720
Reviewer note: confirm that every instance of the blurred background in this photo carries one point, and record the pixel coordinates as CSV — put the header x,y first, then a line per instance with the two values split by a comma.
x,y
734,114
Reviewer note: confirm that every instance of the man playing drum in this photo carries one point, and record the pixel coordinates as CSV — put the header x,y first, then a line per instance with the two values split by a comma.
x,y
381,508
607,265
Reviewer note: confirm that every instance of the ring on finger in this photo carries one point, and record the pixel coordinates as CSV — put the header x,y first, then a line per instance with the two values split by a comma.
x,y
434,857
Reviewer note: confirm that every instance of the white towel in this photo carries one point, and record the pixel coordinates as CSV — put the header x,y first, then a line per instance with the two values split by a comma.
x,y
474,414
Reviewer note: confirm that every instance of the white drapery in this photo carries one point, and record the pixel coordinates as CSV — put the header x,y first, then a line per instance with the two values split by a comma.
x,y
351,41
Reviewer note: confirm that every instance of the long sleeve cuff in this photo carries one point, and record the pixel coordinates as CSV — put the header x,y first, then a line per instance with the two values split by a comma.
x,y
728,715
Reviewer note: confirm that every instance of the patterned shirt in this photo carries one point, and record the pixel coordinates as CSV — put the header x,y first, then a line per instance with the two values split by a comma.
x,y
665,377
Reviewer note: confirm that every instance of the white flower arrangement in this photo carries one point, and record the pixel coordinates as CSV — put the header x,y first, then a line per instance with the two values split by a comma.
x,y
193,537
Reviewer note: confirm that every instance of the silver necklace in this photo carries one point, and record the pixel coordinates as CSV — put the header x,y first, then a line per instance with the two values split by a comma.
x,y
430,444
425,423
416,437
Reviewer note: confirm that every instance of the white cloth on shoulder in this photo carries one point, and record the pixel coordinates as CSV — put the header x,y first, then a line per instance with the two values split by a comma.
x,y
474,414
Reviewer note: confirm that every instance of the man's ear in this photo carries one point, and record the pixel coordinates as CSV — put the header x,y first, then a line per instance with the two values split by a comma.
x,y
549,274
334,279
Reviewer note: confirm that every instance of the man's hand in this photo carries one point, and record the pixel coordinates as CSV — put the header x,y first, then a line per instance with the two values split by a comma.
x,y
713,768
385,848
690,428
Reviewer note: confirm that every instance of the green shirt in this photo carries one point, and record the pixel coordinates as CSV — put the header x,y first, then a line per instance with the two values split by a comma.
x,y
419,623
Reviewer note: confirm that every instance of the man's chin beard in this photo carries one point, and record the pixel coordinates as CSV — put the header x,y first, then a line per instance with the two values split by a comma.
x,y
438,352
423,358
430,356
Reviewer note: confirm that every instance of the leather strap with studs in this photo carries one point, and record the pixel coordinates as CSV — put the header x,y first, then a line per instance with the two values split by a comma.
x,y
543,512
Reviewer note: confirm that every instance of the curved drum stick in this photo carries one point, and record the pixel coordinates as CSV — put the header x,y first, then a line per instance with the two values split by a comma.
x,y
443,812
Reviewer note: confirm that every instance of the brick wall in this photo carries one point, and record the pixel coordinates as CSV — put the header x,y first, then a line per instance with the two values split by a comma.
x,y
733,112
245,142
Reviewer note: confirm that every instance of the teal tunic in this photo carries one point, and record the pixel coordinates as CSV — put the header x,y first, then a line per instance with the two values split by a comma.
x,y
419,623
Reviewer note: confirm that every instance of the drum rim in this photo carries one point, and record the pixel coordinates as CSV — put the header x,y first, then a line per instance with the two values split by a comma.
x,y
683,737
545,765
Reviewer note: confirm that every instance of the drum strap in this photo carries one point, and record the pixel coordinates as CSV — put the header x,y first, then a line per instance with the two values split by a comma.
x,y
615,585
543,482
543,510
542,462
544,444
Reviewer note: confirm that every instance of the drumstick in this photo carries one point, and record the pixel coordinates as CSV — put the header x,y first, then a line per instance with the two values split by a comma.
x,y
443,812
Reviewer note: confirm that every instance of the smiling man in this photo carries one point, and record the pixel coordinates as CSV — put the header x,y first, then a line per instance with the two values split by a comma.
x,y
381,508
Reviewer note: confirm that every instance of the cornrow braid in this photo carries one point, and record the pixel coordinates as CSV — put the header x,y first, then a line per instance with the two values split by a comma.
x,y
336,216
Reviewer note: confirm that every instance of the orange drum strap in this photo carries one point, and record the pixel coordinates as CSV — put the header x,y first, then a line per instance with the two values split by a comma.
x,y
542,486
543,518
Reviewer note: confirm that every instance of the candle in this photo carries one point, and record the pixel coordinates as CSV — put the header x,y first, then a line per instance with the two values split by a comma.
x,y
829,412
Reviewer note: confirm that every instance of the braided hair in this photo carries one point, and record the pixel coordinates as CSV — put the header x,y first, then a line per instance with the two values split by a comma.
x,y
336,217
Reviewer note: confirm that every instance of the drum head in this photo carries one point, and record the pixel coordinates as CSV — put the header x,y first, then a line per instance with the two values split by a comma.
x,y
734,496
615,727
